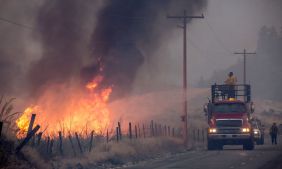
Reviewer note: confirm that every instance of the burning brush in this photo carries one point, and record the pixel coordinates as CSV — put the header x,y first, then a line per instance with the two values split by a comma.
x,y
69,109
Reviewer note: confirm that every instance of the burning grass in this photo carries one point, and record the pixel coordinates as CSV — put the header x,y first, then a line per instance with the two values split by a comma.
x,y
69,109
134,109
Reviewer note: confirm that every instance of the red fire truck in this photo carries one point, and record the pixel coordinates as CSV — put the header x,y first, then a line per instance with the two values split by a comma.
x,y
228,116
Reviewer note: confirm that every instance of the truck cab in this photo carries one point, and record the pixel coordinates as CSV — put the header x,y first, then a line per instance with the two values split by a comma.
x,y
229,118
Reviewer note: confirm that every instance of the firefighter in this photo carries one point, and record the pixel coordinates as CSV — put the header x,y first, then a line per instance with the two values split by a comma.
x,y
231,82
273,133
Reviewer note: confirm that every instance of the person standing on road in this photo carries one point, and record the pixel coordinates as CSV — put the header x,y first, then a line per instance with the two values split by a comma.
x,y
231,82
273,133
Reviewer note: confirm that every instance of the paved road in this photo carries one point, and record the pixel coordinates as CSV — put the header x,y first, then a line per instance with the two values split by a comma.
x,y
232,157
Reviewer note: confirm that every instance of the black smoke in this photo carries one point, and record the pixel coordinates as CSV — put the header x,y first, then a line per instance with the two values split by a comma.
x,y
59,26
122,30
126,27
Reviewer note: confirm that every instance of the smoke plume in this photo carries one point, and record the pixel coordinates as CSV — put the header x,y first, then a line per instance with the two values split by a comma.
x,y
75,39
125,29
60,31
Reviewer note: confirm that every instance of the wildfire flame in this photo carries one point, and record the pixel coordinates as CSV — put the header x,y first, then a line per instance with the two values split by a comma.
x,y
94,83
69,110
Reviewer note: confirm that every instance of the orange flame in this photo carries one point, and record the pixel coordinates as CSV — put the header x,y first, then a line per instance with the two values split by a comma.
x,y
94,83
69,110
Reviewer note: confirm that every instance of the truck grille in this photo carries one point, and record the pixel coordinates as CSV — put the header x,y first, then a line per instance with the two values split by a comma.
x,y
228,130
229,123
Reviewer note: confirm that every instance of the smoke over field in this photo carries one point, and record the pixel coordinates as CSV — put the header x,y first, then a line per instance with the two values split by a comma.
x,y
69,40
75,57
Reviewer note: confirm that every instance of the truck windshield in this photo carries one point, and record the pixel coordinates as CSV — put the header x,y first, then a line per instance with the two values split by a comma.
x,y
229,108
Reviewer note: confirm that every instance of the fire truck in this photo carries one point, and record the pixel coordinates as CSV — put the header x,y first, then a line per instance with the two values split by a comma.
x,y
229,117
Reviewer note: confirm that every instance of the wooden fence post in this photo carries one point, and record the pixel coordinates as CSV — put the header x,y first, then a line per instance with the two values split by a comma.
x,y
107,135
91,140
117,133
78,142
25,141
144,134
130,131
1,126
152,128
161,130
32,119
39,138
156,129
48,145
139,131
51,147
136,132
72,146
168,128
119,130
60,142
172,132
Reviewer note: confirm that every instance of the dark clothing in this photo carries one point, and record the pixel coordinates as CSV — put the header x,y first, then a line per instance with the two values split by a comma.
x,y
231,91
273,134
227,91
274,139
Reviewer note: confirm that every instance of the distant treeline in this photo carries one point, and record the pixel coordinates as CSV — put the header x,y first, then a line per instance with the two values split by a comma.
x,y
264,70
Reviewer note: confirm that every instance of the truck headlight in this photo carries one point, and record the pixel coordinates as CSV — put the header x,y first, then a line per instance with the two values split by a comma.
x,y
256,131
212,130
245,130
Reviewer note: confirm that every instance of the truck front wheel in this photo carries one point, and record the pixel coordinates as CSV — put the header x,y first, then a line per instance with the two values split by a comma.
x,y
249,145
211,145
262,140
214,145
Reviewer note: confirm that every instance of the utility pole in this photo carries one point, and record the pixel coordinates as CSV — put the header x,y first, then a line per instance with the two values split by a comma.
x,y
244,53
184,18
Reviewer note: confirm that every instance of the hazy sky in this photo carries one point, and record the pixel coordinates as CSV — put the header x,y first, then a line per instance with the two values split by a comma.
x,y
229,26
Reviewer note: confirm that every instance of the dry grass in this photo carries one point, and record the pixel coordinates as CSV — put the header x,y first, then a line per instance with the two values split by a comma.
x,y
8,116
114,153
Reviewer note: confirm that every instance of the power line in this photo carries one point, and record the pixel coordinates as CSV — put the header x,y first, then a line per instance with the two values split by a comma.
x,y
244,53
220,42
195,46
15,23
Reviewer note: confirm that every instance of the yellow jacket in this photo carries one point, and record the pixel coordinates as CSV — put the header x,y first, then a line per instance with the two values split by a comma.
x,y
231,80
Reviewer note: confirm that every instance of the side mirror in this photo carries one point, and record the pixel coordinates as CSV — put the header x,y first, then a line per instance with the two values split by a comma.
x,y
206,109
252,107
